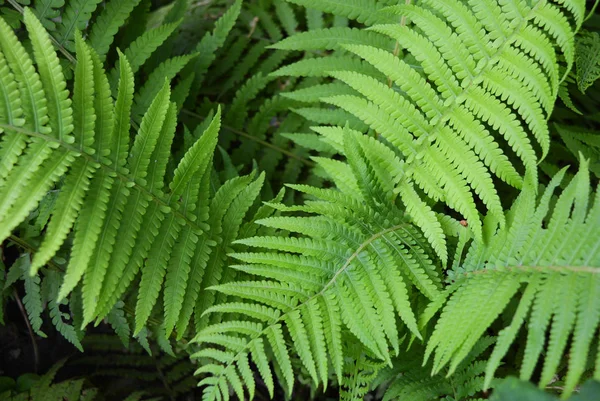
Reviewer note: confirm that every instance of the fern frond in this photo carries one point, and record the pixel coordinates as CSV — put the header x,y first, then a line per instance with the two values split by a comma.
x,y
75,16
559,260
587,61
46,11
50,287
331,38
106,26
351,269
142,48
166,70
447,91
363,11
126,210
32,301
212,41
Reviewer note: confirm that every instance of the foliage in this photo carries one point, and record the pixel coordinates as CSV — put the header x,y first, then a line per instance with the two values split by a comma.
x,y
36,388
302,199
512,387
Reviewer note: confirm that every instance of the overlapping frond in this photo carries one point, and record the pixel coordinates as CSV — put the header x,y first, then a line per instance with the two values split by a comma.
x,y
126,216
547,256
463,90
350,269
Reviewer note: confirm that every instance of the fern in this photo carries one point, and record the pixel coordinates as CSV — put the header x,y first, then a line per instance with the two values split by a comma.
x,y
587,62
351,270
125,217
74,17
107,24
392,267
461,102
409,380
558,260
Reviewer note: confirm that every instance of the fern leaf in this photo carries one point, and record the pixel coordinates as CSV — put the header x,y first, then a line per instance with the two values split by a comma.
x,y
50,286
119,150
52,78
120,139
32,301
45,176
285,14
74,17
363,11
209,44
116,318
142,48
194,163
587,62
166,70
77,182
150,128
46,11
544,260
316,67
108,23
154,270
32,101
196,159
71,199
10,112
178,271
330,39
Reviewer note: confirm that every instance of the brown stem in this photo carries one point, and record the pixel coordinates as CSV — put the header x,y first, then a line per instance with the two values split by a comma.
x,y
36,355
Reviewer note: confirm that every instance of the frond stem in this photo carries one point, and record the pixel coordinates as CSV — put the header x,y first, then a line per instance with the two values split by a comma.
x,y
592,11
36,354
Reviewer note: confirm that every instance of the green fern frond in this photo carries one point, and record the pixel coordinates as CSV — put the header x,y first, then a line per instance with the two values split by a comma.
x,y
558,260
447,91
142,48
106,26
408,379
353,267
363,11
166,70
331,38
50,288
74,16
46,11
32,301
213,41
587,61
126,213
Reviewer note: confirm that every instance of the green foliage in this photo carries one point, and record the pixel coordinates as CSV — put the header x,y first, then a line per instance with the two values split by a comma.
x,y
42,388
125,217
559,260
438,231
447,95
512,387
588,59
